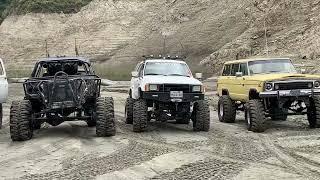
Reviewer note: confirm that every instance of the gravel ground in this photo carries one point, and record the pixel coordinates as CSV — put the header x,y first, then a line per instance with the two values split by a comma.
x,y
287,150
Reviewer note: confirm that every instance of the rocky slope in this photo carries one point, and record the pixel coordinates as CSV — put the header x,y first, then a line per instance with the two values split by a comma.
x,y
117,33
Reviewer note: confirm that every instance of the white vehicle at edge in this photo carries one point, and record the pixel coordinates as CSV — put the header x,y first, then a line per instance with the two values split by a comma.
x,y
3,89
165,89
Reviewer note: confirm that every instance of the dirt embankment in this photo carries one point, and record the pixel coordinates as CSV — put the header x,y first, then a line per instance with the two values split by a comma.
x,y
276,28
119,32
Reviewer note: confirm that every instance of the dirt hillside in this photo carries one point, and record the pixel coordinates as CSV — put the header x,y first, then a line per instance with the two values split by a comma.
x,y
118,32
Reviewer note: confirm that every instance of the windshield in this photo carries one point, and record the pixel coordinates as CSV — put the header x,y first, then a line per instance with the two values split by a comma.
x,y
167,69
271,66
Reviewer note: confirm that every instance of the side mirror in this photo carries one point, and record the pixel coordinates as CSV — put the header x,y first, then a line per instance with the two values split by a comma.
x,y
239,74
134,74
303,71
198,75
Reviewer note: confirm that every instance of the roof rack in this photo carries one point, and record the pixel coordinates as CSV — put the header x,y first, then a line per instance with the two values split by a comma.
x,y
165,57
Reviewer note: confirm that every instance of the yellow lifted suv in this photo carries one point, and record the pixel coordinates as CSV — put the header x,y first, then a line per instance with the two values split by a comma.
x,y
267,87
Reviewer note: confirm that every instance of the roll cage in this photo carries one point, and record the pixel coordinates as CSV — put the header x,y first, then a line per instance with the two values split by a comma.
x,y
73,67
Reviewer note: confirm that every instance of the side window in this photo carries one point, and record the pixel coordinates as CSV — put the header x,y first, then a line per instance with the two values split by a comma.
x,y
141,70
234,69
244,69
226,70
41,71
137,67
1,70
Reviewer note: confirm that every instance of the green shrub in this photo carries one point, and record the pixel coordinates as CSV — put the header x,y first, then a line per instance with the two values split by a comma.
x,y
46,6
20,7
115,73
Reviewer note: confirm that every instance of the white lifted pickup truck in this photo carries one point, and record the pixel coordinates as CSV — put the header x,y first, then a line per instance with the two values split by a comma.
x,y
164,89
3,89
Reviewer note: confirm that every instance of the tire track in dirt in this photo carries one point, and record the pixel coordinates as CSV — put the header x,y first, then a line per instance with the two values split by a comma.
x,y
131,155
302,167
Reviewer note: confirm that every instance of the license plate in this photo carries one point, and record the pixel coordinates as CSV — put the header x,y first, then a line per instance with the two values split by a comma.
x,y
176,94
295,92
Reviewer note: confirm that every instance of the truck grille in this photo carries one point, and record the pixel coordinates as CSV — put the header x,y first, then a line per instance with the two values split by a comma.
x,y
294,85
175,87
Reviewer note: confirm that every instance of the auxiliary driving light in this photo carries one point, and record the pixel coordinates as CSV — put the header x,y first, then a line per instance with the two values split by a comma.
x,y
268,86
196,89
153,87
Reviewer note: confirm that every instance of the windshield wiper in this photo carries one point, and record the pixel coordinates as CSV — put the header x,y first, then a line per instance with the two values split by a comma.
x,y
177,75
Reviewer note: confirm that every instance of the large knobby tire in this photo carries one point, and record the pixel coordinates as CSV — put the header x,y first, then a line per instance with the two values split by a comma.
x,y
314,112
129,110
140,115
201,116
226,109
21,128
255,116
1,115
105,117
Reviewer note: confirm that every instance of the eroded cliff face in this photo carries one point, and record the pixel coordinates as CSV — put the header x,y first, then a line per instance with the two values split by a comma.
x,y
205,31
277,28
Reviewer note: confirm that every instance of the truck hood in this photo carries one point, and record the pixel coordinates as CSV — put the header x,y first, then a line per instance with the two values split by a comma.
x,y
286,76
170,80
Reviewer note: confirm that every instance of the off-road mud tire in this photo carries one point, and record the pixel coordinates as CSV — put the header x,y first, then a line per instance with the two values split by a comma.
x,y
129,110
255,116
140,116
1,115
229,109
105,117
314,112
201,116
21,128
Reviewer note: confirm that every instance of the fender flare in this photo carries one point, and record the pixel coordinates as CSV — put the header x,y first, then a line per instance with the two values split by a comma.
x,y
224,92
253,94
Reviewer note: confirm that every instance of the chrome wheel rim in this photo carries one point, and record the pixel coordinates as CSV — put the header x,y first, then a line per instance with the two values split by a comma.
x,y
248,117
221,110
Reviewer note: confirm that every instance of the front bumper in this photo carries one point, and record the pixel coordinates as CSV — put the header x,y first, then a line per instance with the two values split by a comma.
x,y
290,93
165,97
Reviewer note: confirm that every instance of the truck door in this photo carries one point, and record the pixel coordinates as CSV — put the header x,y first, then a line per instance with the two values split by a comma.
x,y
135,81
3,83
235,83
223,80
243,88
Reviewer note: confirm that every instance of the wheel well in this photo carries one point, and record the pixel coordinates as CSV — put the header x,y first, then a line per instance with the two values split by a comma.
x,y
253,94
140,92
225,92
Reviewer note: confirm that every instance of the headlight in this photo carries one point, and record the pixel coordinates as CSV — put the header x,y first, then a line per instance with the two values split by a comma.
x,y
316,84
268,86
154,87
196,89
